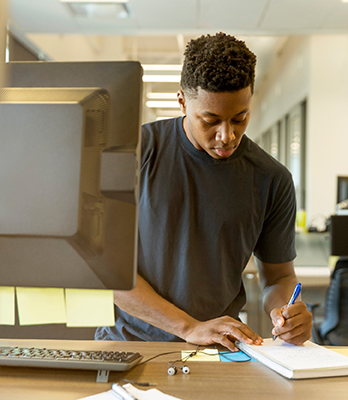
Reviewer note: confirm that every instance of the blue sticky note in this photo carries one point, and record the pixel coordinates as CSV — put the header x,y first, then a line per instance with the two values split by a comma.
x,y
229,356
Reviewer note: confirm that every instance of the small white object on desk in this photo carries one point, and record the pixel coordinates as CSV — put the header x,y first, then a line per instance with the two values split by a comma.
x,y
151,394
121,392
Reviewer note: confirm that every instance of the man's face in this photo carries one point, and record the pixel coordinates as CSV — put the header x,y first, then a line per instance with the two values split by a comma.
x,y
216,122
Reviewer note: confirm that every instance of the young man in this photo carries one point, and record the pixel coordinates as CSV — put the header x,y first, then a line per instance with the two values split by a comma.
x,y
210,197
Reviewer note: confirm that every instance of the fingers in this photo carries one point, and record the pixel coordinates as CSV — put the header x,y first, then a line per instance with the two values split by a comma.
x,y
238,331
297,336
225,341
224,330
295,309
297,324
277,317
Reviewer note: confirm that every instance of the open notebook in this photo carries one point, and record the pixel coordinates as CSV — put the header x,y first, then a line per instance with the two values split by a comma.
x,y
297,362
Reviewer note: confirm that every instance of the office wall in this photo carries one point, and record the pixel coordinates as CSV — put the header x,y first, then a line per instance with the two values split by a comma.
x,y
315,68
3,14
19,52
327,154
284,85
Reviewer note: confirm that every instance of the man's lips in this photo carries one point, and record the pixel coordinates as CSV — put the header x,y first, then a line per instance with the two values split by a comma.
x,y
224,152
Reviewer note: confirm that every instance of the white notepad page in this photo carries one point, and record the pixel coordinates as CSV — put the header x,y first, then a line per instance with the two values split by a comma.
x,y
308,360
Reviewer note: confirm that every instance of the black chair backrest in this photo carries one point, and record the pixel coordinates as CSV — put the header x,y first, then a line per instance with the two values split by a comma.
x,y
334,329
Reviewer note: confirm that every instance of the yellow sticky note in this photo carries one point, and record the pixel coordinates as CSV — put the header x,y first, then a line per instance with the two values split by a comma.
x,y
333,261
7,305
342,351
86,307
202,355
38,306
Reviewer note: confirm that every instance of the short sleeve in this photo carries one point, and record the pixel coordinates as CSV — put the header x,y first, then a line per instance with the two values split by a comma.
x,y
276,243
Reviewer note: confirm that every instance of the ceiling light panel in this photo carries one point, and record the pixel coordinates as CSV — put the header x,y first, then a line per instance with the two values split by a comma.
x,y
162,104
161,78
95,1
98,9
161,96
162,67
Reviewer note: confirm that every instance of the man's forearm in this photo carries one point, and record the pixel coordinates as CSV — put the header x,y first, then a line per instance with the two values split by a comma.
x,y
278,294
277,282
144,303
294,323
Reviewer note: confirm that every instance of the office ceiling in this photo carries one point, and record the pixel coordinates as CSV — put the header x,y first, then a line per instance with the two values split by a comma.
x,y
246,17
156,31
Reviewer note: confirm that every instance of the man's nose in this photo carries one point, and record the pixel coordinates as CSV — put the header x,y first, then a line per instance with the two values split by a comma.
x,y
226,133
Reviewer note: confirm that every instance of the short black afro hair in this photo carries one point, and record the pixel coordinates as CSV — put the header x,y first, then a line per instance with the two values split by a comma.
x,y
219,63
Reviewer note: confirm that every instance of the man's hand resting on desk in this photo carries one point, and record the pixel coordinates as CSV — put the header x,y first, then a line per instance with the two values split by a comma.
x,y
144,303
292,324
223,330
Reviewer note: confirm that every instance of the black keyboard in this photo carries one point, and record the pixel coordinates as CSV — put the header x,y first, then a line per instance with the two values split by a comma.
x,y
71,359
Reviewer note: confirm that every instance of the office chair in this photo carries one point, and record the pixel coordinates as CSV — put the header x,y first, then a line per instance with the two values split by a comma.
x,y
334,329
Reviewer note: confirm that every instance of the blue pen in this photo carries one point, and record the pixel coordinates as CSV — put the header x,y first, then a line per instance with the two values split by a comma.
x,y
292,300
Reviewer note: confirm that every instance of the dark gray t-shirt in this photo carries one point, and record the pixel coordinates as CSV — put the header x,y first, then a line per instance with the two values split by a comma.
x,y
200,220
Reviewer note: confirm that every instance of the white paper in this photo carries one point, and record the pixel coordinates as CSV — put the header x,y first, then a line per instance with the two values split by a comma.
x,y
150,394
101,396
308,356
298,362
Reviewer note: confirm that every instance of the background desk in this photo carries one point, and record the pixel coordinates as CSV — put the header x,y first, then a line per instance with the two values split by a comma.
x,y
207,380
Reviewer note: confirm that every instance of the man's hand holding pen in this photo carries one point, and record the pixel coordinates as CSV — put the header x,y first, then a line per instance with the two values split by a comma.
x,y
293,322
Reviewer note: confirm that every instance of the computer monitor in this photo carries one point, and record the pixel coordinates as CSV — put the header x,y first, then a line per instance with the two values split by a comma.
x,y
69,163
339,235
342,188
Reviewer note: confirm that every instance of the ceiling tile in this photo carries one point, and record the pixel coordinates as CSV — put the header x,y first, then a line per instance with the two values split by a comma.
x,y
41,16
175,15
338,19
106,25
231,15
297,16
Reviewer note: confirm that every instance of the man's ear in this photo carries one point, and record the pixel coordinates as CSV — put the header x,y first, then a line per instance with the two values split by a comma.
x,y
182,101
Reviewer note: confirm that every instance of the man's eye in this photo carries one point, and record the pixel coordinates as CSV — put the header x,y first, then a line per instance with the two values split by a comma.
x,y
210,123
239,120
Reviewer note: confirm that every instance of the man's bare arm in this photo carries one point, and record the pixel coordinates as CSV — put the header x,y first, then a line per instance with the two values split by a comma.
x,y
144,303
278,281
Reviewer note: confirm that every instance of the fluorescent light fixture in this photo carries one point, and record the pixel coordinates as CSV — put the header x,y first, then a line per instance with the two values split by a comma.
x,y
161,78
95,8
162,67
162,104
168,112
148,77
161,96
94,1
